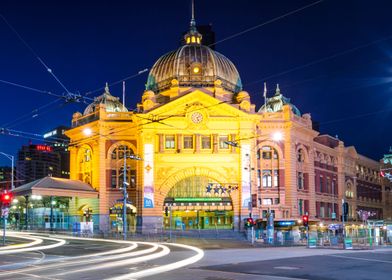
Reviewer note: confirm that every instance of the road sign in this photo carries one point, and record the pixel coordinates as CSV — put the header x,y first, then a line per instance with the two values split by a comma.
x,y
5,212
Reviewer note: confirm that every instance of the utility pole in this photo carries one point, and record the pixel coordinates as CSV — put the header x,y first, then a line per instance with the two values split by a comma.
x,y
125,195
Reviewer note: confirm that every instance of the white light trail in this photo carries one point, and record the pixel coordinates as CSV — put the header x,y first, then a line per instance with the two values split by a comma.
x,y
36,241
165,251
165,268
60,242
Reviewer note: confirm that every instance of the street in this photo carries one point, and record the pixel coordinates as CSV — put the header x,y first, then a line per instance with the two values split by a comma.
x,y
64,257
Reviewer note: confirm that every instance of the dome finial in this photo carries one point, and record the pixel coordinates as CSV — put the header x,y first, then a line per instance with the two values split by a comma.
x,y
277,91
193,21
193,36
106,87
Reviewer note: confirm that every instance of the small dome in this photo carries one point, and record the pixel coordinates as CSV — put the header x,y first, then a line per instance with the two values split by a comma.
x,y
276,103
112,103
193,65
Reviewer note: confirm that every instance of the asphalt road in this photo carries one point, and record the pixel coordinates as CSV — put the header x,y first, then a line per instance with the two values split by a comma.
x,y
116,260
320,265
90,259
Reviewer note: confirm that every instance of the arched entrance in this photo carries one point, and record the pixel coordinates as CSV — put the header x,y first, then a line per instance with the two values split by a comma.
x,y
116,218
197,202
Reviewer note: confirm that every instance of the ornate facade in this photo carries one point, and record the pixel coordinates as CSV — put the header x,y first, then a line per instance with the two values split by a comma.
x,y
209,158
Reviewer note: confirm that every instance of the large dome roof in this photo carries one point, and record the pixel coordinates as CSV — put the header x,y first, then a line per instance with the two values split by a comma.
x,y
193,65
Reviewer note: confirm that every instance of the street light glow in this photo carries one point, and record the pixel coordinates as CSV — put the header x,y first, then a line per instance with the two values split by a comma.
x,y
277,136
87,131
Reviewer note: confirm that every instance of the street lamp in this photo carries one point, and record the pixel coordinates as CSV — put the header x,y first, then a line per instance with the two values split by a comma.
x,y
125,193
10,157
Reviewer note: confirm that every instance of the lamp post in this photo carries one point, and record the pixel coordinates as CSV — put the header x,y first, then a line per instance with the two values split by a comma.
x,y
10,157
125,193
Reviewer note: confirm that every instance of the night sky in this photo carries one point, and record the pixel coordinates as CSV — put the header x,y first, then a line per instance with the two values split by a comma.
x,y
333,59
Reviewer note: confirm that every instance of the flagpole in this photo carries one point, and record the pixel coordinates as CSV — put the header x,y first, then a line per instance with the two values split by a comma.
x,y
124,94
265,97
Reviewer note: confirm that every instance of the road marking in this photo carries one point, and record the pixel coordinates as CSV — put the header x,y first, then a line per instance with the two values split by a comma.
x,y
360,259
286,267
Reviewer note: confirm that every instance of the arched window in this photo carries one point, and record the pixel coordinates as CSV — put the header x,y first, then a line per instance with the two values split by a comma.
x,y
268,159
85,165
301,155
117,167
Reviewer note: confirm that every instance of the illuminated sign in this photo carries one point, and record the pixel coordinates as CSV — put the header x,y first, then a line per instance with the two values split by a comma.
x,y
46,135
148,176
286,223
43,148
197,199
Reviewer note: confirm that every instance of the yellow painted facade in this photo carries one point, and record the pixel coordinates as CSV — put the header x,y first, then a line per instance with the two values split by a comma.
x,y
192,108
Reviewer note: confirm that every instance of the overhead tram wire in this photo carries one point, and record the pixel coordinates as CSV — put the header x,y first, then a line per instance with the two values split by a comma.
x,y
70,96
320,60
117,82
223,40
267,22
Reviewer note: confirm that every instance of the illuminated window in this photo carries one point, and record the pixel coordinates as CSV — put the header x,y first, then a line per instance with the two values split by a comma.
x,y
196,70
206,142
169,142
267,179
198,40
188,40
223,142
188,142
193,39
117,167
276,178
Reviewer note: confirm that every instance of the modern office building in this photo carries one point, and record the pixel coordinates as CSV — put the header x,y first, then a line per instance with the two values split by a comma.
x,y
57,139
35,162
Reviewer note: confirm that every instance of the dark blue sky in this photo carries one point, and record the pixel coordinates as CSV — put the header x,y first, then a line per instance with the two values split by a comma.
x,y
87,43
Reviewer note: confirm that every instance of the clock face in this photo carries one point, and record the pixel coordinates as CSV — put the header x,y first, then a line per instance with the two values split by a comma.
x,y
197,117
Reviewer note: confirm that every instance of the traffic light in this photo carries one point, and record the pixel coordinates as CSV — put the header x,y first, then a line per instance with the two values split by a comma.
x,y
249,222
166,211
6,198
305,220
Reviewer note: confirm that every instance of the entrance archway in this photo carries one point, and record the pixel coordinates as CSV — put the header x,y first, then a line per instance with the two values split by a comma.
x,y
198,202
116,220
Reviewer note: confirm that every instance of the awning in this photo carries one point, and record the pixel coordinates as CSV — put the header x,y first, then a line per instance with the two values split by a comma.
x,y
52,186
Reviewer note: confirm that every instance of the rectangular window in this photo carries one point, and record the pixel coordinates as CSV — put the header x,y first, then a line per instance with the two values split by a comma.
x,y
276,200
223,142
258,178
267,201
300,180
132,178
321,182
300,207
206,142
276,178
328,188
169,141
267,179
113,179
188,142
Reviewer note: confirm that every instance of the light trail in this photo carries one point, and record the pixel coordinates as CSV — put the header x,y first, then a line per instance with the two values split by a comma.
x,y
165,251
36,241
165,268
60,242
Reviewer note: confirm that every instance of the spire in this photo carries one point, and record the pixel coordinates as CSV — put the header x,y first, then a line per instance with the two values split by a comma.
x,y
193,36
193,21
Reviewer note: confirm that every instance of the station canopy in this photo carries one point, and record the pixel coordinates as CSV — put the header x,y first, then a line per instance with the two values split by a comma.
x,y
52,186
